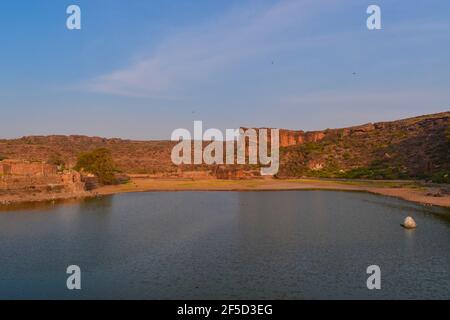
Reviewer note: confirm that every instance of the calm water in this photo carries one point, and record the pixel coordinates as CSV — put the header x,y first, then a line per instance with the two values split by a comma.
x,y
226,245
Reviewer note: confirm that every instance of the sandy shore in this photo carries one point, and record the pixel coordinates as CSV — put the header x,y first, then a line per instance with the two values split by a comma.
x,y
407,190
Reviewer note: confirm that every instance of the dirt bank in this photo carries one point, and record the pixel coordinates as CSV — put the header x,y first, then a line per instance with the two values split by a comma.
x,y
407,190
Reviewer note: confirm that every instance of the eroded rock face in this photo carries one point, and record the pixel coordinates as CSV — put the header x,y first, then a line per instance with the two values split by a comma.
x,y
409,223
290,137
293,137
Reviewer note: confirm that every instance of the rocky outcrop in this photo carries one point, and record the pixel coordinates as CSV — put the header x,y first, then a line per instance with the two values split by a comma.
x,y
414,148
298,137
365,128
292,137
295,137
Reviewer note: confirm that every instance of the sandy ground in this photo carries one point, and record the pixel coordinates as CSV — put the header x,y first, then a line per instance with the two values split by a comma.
x,y
407,190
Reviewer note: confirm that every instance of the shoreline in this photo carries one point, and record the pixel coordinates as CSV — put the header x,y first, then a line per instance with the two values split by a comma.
x,y
406,190
412,191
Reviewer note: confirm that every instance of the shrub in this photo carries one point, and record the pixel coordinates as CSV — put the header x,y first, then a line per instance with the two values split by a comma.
x,y
100,163
441,177
375,173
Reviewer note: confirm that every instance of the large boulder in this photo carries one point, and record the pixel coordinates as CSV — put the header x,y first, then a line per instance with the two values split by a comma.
x,y
409,223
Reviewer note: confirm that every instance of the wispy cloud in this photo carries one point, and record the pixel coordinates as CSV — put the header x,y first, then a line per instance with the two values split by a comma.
x,y
199,53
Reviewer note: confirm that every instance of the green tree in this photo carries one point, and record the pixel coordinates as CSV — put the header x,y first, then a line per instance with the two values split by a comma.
x,y
100,163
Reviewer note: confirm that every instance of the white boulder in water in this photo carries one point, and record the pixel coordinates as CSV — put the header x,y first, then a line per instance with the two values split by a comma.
x,y
409,223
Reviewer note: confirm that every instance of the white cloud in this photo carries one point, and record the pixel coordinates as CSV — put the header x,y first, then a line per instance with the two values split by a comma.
x,y
199,53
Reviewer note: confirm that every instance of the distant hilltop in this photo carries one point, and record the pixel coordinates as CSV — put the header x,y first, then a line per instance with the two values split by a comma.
x,y
416,147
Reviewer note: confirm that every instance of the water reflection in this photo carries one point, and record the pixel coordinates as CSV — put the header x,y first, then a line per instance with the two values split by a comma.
x,y
226,245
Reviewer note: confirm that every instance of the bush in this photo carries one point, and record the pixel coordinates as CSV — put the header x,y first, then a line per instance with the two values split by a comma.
x,y
441,177
375,173
100,163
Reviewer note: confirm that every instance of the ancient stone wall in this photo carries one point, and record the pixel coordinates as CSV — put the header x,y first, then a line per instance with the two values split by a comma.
x,y
25,168
16,175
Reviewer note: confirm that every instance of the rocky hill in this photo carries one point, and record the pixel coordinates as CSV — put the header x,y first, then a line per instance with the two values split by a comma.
x,y
410,148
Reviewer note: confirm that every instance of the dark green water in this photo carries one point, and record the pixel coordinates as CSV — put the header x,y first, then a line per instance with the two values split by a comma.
x,y
226,245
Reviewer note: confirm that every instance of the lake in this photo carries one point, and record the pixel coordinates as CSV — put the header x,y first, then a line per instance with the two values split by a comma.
x,y
226,245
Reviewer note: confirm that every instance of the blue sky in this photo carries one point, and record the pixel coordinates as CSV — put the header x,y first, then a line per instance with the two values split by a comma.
x,y
140,69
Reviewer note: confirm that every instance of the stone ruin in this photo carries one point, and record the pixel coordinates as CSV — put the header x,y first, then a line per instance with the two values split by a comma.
x,y
26,168
20,175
